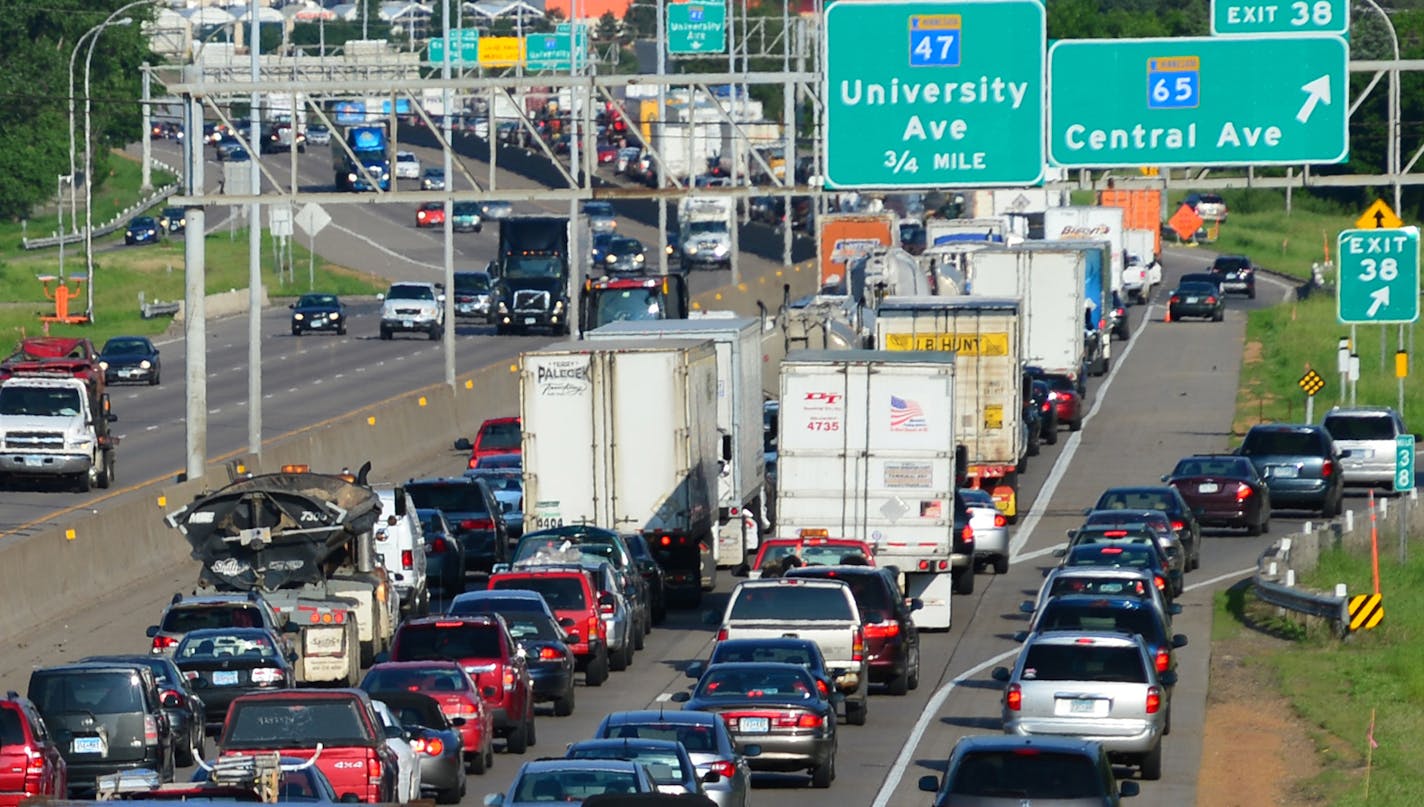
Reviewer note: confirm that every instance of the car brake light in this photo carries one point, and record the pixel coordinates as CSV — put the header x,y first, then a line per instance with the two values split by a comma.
x,y
150,730
34,766
266,675
1161,584
549,654
1000,520
882,630
432,747
1327,468
1154,700
722,635
595,626
967,534
1115,533
1175,299
407,559
723,768
808,722
605,608
1163,659
373,768
483,523
437,546
1243,492
1013,698
474,462
1211,301
822,688
508,680
1179,525
857,646
161,642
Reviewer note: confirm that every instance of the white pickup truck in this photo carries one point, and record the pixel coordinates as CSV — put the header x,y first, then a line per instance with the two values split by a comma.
x,y
823,611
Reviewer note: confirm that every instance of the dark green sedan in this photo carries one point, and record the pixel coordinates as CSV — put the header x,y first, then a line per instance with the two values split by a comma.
x,y
1193,299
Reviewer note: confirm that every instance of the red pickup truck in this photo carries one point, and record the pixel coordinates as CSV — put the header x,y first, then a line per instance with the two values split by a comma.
x,y
353,755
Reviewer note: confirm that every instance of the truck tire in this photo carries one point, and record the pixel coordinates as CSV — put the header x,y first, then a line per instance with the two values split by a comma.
x,y
1001,564
436,332
518,740
964,580
618,662
105,477
83,482
597,671
855,711
563,707
385,333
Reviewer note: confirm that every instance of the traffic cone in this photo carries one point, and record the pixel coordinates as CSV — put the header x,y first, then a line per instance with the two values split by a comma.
x,y
1167,317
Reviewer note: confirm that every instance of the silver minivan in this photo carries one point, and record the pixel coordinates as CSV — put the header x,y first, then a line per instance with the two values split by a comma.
x,y
1368,433
400,544
1097,686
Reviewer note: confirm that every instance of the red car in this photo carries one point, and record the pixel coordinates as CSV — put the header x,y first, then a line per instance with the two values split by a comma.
x,y
811,550
430,214
570,593
30,763
497,436
1224,490
447,683
354,755
607,154
483,646
1067,401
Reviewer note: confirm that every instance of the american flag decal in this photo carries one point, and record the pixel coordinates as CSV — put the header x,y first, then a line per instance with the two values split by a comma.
x,y
906,416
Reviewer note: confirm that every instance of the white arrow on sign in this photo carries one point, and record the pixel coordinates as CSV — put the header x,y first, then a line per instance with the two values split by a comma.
x,y
1317,91
1380,296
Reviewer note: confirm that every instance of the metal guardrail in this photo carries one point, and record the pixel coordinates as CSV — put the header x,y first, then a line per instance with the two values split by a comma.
x,y
157,308
1270,589
112,224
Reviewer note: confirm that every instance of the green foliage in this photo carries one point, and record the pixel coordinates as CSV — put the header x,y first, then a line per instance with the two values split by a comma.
x,y
607,29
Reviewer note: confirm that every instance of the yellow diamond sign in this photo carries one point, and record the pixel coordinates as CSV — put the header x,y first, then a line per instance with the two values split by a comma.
x,y
1379,216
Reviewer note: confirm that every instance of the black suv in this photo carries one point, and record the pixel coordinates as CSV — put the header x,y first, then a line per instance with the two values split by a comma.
x,y
106,718
1301,466
652,575
473,513
1234,273
892,642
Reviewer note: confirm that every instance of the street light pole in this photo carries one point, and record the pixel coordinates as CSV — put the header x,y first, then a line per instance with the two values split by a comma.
x,y
89,169
254,235
1393,147
59,207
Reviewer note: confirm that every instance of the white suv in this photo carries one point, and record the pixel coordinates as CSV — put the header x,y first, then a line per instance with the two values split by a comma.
x,y
411,306
1368,433
400,542
407,165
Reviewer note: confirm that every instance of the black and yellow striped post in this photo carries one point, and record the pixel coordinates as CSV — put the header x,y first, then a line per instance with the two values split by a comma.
x,y
1366,611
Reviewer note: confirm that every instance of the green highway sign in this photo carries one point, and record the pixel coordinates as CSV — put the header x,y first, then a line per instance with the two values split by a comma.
x,y
1233,17
1404,462
1379,276
934,94
553,51
696,27
1266,100
468,51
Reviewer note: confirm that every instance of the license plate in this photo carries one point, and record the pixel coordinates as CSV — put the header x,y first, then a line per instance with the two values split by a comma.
x,y
1208,487
405,323
529,320
1285,471
35,462
1193,299
88,745
754,725
224,678
1084,706
318,323
464,308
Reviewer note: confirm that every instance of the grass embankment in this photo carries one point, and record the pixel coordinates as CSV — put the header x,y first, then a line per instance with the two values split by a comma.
x,y
1333,686
121,273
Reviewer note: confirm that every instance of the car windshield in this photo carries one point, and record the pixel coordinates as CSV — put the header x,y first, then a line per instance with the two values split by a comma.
x,y
207,647
291,722
414,679
183,620
600,209
96,692
533,266
466,282
706,227
466,209
791,602
1105,586
317,301
410,292
1215,466
1028,774
626,246
1084,662
561,592
502,483
501,436
456,498
500,461
1132,556
1360,427
1058,615
1137,500
1196,288
696,738
451,642
1283,441
126,347
573,785
737,681
40,402
665,766
587,549
143,221
620,305
977,497
810,554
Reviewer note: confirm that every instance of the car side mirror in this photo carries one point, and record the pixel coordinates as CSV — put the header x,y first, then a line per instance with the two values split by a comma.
x,y
567,622
292,656
464,444
1060,552
291,627
694,670
1026,607
741,570
1001,674
457,721
1168,678
681,697
929,783
171,700
494,800
1128,789
350,798
1179,640
489,691
151,632
1021,636
292,305
1070,533
380,298
1174,609
382,657
1165,477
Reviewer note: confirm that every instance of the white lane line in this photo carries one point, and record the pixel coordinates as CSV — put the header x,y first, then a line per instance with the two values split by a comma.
x,y
382,248
1038,553
268,396
339,375
214,411
1075,439
151,428
663,697
1221,578
291,389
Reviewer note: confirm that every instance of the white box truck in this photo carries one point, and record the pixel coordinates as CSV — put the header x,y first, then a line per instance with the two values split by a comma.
x,y
623,435
867,449
741,485
983,333
1049,279
705,225
1091,223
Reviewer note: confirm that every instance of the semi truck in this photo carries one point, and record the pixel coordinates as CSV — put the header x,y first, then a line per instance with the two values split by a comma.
x,y
622,434
705,231
867,449
360,158
640,298
1050,279
847,236
55,414
305,542
983,333
531,274
741,485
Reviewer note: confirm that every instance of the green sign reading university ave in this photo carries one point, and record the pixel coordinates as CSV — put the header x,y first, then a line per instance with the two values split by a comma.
x,y
1266,100
555,51
1379,276
696,27
468,51
1230,17
934,94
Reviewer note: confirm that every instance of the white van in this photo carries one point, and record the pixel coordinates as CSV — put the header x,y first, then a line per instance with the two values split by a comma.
x,y
400,548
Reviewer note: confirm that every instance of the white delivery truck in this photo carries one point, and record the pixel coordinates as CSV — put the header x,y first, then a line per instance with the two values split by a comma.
x,y
867,449
983,332
685,148
623,435
705,231
1142,270
1091,223
741,485
939,232
1050,280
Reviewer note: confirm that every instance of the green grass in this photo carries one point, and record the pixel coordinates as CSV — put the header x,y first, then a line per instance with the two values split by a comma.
x,y
119,190
1334,685
1281,341
157,271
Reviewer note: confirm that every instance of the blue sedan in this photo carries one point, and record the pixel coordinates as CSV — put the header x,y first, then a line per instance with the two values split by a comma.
x,y
143,230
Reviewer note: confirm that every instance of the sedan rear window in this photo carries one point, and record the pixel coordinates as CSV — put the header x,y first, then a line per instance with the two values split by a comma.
x,y
562,593
1274,441
289,723
1357,427
665,766
1214,467
696,739
185,620
458,498
1136,500
1057,662
1027,776
450,642
797,603
395,679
